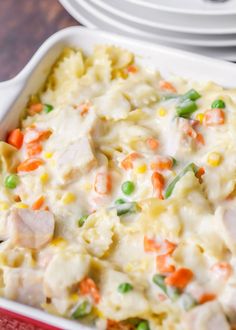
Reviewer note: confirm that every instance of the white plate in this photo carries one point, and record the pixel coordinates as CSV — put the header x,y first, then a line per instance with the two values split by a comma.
x,y
15,92
115,7
196,24
152,33
192,7
87,18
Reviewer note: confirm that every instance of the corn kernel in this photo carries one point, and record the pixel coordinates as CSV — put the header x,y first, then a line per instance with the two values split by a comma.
x,y
44,178
21,205
200,117
141,169
4,206
99,313
162,112
74,297
69,198
214,159
119,73
48,154
58,241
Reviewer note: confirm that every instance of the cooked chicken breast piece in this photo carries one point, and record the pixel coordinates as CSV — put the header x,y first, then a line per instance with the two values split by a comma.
x,y
31,229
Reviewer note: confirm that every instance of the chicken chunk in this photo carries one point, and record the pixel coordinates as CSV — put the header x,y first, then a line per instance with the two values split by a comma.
x,y
31,229
76,158
64,271
208,316
24,285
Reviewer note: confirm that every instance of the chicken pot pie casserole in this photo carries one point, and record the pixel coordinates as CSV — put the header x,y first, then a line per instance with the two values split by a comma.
x,y
118,198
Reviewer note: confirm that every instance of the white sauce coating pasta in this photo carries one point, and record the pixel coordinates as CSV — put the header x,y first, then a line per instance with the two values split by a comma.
x,y
132,179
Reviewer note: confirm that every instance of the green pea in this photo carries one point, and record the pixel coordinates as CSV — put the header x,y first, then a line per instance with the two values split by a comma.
x,y
120,201
143,325
82,310
11,181
47,108
218,104
186,108
125,287
192,95
82,220
160,281
127,187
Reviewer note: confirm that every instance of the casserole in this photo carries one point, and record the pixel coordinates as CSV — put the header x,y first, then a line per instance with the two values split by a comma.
x,y
15,93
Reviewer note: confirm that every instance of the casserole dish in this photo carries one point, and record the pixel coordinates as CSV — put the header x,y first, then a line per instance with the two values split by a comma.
x,y
14,95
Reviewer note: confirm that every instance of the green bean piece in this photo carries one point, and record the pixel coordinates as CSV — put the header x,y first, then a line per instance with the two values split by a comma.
x,y
190,167
82,310
160,281
82,220
126,208
173,293
192,95
188,301
186,108
120,201
47,108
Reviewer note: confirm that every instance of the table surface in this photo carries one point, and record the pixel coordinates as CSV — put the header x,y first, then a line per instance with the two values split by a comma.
x,y
25,24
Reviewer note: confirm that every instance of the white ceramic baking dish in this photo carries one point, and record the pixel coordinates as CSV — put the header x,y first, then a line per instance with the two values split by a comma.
x,y
15,92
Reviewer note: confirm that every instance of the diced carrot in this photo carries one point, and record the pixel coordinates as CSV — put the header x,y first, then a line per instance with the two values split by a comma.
x,y
152,143
127,163
162,163
214,117
189,130
34,135
167,86
84,108
158,182
35,108
33,149
132,68
88,286
15,138
150,245
46,208
200,138
223,269
169,247
163,265
103,183
206,297
200,173
16,198
29,165
180,278
38,203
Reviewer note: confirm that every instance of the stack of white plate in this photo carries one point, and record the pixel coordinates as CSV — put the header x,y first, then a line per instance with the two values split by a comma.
x,y
202,26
